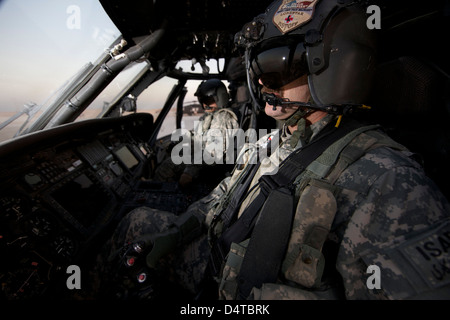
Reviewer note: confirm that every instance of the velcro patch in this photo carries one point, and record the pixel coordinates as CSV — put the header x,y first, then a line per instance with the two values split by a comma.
x,y
429,255
293,13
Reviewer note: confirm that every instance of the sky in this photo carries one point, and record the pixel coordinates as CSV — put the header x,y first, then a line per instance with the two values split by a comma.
x,y
44,43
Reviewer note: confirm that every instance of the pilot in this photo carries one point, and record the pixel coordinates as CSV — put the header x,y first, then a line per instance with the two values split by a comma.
x,y
345,214
217,121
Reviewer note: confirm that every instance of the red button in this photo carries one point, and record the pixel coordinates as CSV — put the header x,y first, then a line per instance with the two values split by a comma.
x,y
130,262
142,277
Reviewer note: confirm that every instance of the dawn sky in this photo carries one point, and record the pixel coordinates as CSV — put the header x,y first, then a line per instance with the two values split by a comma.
x,y
45,42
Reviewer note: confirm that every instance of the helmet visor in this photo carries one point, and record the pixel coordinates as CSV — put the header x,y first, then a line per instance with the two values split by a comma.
x,y
278,66
206,100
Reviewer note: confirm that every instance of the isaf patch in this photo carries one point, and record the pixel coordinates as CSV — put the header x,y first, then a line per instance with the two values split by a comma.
x,y
292,14
418,266
430,255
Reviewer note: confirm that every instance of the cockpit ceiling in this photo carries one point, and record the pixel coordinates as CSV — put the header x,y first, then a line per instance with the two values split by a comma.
x,y
206,28
137,19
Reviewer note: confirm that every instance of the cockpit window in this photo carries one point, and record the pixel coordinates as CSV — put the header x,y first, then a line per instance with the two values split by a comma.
x,y
211,66
45,44
113,92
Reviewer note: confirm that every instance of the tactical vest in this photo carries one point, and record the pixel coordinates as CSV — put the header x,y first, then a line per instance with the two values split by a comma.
x,y
315,208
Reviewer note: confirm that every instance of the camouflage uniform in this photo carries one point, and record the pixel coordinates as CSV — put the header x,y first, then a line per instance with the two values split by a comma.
x,y
220,123
384,211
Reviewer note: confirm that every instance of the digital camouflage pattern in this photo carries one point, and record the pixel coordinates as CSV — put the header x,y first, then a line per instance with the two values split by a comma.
x,y
212,129
388,203
388,214
385,206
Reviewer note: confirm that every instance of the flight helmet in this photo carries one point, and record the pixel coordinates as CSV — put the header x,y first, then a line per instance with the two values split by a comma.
x,y
210,91
327,40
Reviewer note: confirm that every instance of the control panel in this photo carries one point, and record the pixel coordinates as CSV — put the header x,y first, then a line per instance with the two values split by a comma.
x,y
57,196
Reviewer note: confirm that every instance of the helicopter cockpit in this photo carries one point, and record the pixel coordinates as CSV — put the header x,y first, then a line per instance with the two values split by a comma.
x,y
66,181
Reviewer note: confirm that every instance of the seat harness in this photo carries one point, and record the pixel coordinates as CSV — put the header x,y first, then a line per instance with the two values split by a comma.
x,y
276,207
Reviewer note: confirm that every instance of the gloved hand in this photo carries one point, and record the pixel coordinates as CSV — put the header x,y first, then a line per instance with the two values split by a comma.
x,y
185,228
161,244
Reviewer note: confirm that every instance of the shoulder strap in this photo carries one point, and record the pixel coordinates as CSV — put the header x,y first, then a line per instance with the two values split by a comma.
x,y
270,237
300,159
290,168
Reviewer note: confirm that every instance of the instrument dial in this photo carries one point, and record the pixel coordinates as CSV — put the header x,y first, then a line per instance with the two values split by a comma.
x,y
65,245
13,207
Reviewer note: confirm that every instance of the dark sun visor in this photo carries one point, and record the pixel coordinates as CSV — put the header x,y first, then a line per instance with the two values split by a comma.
x,y
277,66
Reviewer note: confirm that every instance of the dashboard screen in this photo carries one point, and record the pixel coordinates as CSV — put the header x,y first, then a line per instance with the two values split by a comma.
x,y
82,198
127,158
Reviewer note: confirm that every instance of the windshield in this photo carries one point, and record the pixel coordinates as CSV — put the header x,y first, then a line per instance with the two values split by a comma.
x,y
44,44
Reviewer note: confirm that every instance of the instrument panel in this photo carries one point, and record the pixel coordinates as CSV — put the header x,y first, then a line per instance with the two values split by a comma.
x,y
58,192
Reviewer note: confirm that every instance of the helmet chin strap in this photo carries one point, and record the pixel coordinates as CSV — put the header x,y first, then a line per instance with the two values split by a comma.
x,y
297,116
293,119
298,121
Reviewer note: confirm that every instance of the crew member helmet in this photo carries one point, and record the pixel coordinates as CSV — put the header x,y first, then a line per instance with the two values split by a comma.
x,y
326,39
212,90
